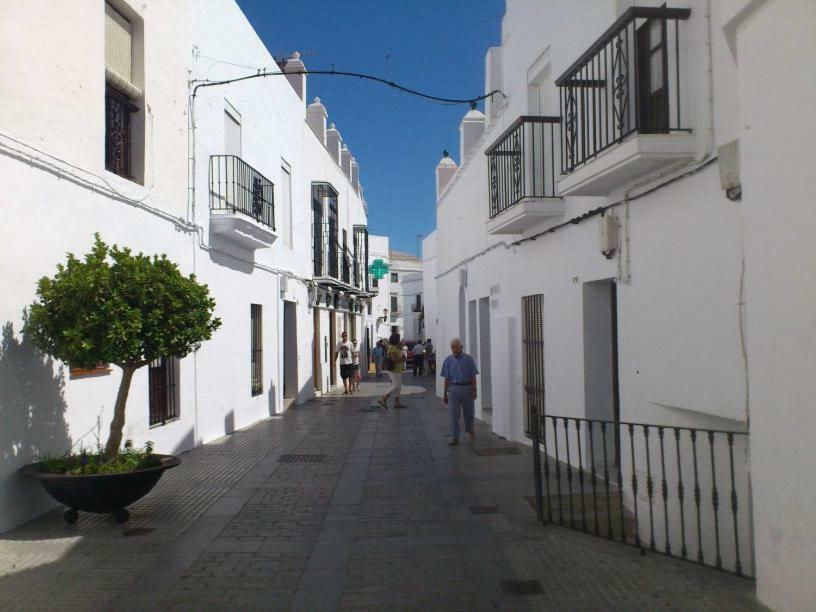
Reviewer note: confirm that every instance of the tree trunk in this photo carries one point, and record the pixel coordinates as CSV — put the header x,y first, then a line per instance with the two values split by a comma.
x,y
118,422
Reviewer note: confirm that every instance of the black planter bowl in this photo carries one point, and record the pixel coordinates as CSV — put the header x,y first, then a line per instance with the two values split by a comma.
x,y
101,493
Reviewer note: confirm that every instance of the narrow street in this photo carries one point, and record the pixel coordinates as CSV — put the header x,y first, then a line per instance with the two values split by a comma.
x,y
336,506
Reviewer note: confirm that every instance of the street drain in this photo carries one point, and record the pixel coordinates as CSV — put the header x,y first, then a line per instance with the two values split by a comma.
x,y
137,531
483,510
521,587
301,458
496,450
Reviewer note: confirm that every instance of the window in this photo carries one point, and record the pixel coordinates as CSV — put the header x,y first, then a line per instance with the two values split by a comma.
x,y
118,111
394,304
121,110
232,130
256,349
375,282
394,277
286,205
163,390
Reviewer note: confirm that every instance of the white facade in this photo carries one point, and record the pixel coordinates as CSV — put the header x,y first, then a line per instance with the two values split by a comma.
x,y
381,302
52,157
411,299
697,277
430,306
404,267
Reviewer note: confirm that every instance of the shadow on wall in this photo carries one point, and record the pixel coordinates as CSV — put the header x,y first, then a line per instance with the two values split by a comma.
x,y
226,254
32,424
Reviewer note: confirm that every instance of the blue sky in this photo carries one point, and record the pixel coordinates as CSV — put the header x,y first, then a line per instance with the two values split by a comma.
x,y
437,46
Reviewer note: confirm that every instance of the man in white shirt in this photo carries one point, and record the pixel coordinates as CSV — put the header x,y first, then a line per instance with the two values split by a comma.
x,y
343,352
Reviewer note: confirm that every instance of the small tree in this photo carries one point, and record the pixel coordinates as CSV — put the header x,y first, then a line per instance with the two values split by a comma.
x,y
120,308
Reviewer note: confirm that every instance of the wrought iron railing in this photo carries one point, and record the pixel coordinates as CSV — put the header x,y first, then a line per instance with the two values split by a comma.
x,y
522,162
331,260
238,187
627,81
680,491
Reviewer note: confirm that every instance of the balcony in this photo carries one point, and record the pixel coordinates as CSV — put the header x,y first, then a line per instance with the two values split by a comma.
x,y
334,265
621,104
522,174
242,205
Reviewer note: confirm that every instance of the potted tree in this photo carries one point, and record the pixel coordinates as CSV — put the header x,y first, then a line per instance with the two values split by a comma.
x,y
125,309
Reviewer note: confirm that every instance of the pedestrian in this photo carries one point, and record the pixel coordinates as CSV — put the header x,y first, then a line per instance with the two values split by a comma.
x,y
343,353
419,356
378,354
395,363
404,350
355,361
459,371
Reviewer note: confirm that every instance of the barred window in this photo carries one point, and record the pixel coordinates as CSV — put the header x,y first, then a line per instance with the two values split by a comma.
x,y
163,390
256,349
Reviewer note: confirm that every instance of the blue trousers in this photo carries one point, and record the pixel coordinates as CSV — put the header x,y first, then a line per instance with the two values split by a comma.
x,y
460,400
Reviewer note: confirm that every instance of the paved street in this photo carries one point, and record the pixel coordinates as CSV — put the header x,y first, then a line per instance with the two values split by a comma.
x,y
333,506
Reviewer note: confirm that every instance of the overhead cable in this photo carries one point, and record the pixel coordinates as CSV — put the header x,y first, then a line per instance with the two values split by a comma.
x,y
261,73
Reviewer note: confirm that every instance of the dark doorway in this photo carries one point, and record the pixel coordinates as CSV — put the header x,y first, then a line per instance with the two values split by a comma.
x,y
332,347
290,352
652,69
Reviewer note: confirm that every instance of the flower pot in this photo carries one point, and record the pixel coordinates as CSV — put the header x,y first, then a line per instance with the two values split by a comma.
x,y
101,493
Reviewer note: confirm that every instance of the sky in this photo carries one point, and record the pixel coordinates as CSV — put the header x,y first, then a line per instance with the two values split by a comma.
x,y
436,46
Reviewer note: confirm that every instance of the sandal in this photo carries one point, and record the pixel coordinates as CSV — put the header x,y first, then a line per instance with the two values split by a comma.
x,y
384,404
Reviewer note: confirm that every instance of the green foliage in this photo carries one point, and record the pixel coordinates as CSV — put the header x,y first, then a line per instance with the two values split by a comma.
x,y
118,307
127,460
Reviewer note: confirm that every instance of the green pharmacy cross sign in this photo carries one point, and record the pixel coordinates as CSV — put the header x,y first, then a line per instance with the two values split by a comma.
x,y
378,269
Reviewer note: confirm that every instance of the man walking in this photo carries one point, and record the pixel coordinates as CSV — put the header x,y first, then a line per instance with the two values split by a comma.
x,y
459,371
419,356
378,354
343,352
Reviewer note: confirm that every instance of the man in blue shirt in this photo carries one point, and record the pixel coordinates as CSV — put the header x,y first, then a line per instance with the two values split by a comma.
x,y
459,372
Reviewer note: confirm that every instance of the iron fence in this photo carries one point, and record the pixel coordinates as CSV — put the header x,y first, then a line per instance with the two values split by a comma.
x,y
238,187
522,162
627,81
680,491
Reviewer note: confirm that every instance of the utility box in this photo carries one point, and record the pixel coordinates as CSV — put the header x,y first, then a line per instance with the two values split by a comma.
x,y
608,235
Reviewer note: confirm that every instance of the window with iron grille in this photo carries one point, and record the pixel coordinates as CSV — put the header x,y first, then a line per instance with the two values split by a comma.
x,y
394,277
163,390
256,349
361,257
118,110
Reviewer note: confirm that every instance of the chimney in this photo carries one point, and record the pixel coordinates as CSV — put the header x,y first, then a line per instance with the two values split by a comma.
x,y
345,161
470,130
355,175
333,142
297,81
316,118
445,171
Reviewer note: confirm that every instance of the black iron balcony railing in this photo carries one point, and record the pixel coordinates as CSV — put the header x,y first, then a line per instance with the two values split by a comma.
x,y
680,491
522,162
627,81
331,260
238,187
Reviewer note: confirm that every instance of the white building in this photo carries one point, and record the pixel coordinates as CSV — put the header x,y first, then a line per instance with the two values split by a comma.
x,y
379,255
101,132
411,299
626,240
404,266
430,309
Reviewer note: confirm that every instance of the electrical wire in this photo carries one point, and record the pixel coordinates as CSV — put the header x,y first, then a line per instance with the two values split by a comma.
x,y
576,220
262,73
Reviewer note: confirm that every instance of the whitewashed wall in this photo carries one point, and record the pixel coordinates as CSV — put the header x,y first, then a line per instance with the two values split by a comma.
x,y
52,160
679,268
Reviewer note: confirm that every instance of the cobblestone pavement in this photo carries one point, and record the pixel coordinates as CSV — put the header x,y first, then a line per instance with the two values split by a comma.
x,y
332,506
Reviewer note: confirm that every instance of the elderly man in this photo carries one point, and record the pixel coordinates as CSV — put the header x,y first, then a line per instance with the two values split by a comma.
x,y
459,372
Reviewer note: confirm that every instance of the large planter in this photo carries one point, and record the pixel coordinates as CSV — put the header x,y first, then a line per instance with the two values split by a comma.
x,y
101,493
